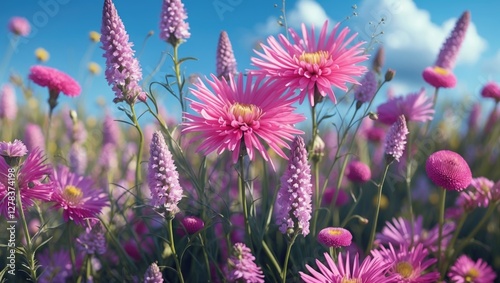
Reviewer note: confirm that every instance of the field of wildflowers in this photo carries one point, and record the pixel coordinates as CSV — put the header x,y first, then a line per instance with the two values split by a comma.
x,y
236,191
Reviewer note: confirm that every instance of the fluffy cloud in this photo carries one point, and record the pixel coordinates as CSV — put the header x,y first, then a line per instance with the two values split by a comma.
x,y
411,40
304,11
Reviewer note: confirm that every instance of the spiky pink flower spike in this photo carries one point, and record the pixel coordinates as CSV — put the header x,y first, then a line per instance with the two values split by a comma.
x,y
467,270
441,75
93,240
358,172
395,140
241,266
33,137
313,65
367,89
122,68
173,28
19,26
378,61
335,237
491,90
293,204
226,63
153,274
8,105
448,170
163,178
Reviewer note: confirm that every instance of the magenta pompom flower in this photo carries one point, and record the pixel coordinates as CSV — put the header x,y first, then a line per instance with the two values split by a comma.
x,y
191,224
31,179
122,68
467,270
77,196
226,63
8,105
19,26
173,28
407,265
448,170
153,274
163,178
239,116
370,270
241,266
395,140
55,80
415,107
441,75
312,65
293,204
358,172
491,90
335,237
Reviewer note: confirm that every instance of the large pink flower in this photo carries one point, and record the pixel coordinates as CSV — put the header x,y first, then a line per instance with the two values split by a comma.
x,y
312,66
242,114
55,80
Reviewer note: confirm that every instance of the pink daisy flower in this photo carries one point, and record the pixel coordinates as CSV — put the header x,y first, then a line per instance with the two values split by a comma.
x,y
448,170
312,66
31,179
467,270
239,116
19,26
370,270
13,149
415,107
408,265
76,196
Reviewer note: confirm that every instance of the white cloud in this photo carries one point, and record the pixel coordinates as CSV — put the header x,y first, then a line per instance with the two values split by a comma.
x,y
411,40
309,12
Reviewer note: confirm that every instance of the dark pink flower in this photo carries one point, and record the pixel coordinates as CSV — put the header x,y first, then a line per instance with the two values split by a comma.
x,y
312,65
335,237
239,116
77,197
370,270
466,270
439,77
358,172
19,26
55,80
407,265
191,224
415,107
492,90
448,170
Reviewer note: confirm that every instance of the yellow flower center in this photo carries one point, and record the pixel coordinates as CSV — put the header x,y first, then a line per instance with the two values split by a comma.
x,y
245,113
314,57
72,193
471,275
94,68
41,54
94,36
404,269
355,280
441,71
334,232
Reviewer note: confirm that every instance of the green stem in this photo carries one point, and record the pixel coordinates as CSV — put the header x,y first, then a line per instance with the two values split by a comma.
x,y
408,188
72,255
139,153
453,240
271,256
442,204
205,255
315,168
377,211
243,200
172,247
177,70
287,256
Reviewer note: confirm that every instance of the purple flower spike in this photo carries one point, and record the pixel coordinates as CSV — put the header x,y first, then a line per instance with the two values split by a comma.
x,y
226,63
93,240
396,139
8,106
173,28
367,89
294,206
33,137
449,170
153,274
122,68
241,266
163,178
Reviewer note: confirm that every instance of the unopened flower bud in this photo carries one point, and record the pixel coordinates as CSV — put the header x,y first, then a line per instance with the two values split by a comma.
x,y
373,116
389,75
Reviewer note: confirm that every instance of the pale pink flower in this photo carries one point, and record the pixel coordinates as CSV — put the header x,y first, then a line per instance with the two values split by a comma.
x,y
415,107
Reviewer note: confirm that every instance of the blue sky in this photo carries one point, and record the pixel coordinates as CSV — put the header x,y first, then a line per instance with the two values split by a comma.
x,y
413,34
